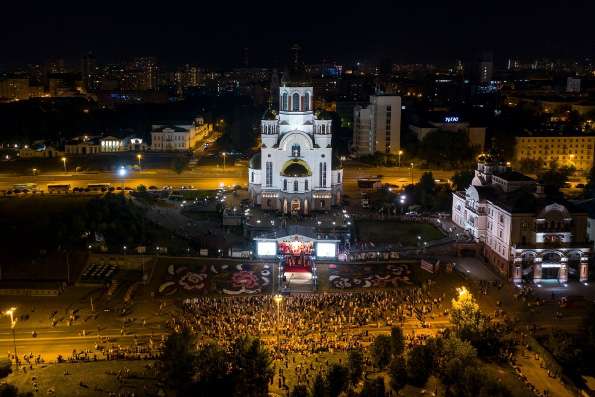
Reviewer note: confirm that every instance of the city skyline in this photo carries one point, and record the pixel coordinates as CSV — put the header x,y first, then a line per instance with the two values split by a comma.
x,y
216,35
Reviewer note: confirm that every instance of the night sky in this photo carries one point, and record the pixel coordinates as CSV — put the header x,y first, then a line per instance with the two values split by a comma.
x,y
214,32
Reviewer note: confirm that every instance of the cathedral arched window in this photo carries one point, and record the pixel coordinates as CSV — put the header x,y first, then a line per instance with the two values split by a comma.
x,y
295,150
295,186
306,102
296,102
306,185
284,184
284,101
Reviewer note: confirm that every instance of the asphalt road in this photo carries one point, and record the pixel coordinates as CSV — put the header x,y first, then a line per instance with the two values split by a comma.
x,y
203,177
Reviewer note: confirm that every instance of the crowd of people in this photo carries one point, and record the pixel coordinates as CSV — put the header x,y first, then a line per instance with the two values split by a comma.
x,y
308,323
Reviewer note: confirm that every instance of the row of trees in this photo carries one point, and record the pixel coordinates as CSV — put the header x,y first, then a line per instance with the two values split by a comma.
x,y
244,370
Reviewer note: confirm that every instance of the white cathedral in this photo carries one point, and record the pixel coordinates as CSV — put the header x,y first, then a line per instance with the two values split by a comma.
x,y
295,171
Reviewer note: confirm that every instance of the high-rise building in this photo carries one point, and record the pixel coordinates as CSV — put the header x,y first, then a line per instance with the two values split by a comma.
x,y
484,72
14,88
88,70
377,127
147,75
573,84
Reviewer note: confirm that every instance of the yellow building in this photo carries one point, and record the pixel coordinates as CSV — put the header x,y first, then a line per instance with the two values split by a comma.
x,y
566,150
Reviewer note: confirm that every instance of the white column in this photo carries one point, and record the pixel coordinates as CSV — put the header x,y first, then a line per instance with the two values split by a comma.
x,y
517,275
563,273
537,271
584,272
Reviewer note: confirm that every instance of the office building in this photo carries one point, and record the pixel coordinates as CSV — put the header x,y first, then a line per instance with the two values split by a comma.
x,y
377,127
178,137
566,150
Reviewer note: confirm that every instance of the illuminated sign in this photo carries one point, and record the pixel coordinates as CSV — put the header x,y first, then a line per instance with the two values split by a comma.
x,y
266,248
326,250
451,119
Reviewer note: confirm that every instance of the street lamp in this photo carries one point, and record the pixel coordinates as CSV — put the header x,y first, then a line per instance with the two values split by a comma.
x,y
64,162
411,173
34,171
139,157
13,323
278,299
224,154
400,154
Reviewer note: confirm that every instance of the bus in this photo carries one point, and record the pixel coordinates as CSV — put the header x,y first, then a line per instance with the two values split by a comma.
x,y
99,187
31,187
58,188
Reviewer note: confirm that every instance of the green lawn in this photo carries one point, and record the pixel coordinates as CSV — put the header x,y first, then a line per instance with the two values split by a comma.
x,y
394,232
98,378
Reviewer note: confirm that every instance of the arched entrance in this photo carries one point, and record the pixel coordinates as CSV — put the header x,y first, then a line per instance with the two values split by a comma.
x,y
550,265
527,263
295,206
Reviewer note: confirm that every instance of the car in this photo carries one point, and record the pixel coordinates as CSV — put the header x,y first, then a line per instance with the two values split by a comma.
x,y
580,185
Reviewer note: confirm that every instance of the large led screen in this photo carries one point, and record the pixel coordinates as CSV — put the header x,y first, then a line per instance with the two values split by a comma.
x,y
326,250
266,248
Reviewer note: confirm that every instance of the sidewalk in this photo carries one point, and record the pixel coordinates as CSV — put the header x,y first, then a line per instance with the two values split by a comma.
x,y
536,374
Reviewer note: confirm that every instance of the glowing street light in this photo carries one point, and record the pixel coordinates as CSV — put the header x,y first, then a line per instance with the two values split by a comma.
x,y
400,154
13,323
64,162
224,156
139,157
278,299
411,173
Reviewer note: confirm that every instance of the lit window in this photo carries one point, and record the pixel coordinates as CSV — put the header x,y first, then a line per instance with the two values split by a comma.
x,y
296,102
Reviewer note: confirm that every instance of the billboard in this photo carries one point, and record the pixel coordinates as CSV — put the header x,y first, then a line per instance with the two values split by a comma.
x,y
326,250
266,248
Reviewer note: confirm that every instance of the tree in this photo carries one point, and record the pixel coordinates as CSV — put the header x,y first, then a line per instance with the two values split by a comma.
x,y
211,374
465,311
355,364
5,368
530,166
373,388
419,365
445,148
141,188
556,177
177,359
453,356
397,341
337,379
179,164
381,351
299,391
319,386
251,367
590,186
462,179
8,390
398,373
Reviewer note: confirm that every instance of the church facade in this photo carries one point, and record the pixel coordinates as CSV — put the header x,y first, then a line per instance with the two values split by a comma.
x,y
295,171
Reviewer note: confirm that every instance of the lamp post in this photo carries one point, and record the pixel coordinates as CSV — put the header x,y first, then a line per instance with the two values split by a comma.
x,y
139,157
411,173
13,323
224,155
64,162
400,154
278,299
